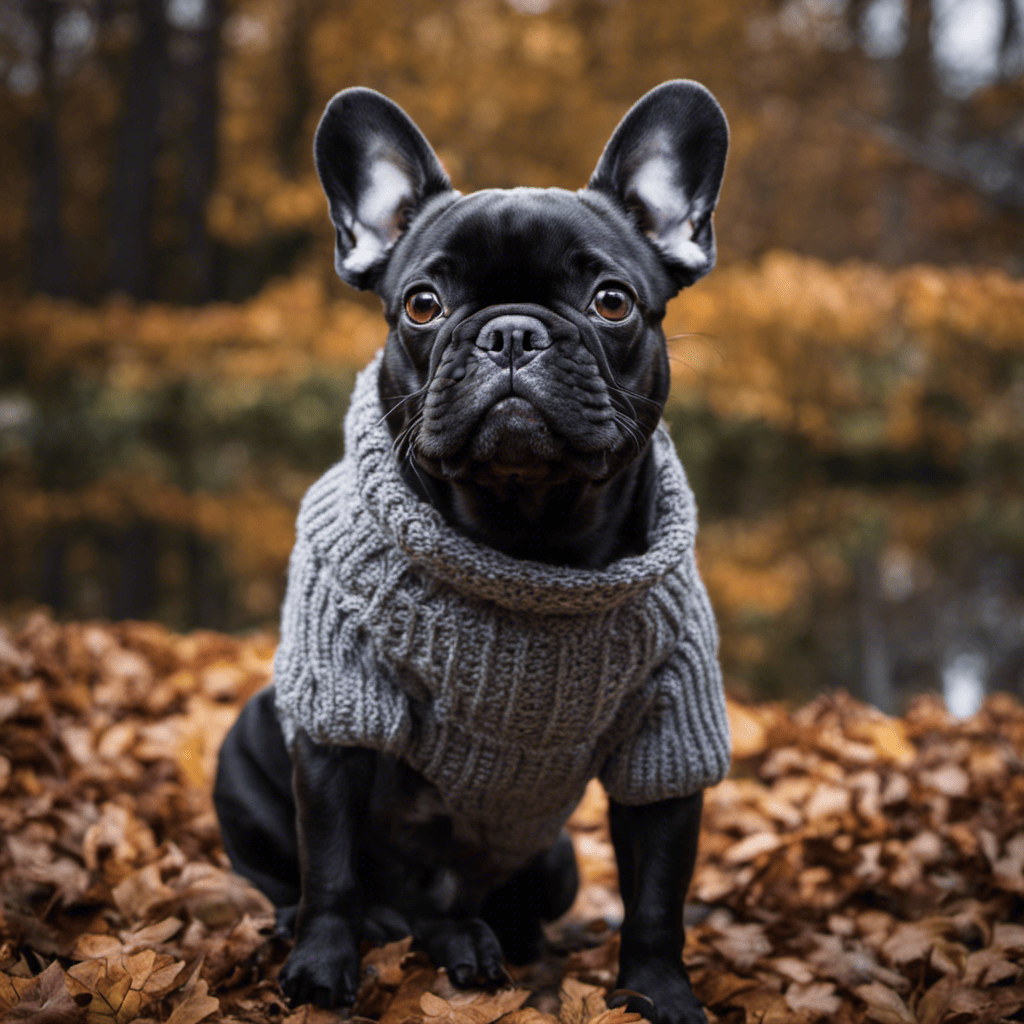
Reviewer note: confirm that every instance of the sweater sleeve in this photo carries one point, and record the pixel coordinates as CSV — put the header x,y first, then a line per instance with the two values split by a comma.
x,y
325,681
682,742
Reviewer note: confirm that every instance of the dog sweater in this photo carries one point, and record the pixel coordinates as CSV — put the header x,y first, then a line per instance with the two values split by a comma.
x,y
507,683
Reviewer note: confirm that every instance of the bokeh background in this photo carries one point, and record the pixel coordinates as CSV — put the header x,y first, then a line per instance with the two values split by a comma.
x,y
848,385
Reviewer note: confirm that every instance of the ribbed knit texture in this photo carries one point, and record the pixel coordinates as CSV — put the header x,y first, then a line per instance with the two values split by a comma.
x,y
507,683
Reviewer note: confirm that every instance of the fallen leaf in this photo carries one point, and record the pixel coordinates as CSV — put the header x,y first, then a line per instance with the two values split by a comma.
x,y
580,1002
405,1006
763,1006
884,1005
385,962
471,1009
197,1002
742,944
752,847
529,1015
46,1000
818,999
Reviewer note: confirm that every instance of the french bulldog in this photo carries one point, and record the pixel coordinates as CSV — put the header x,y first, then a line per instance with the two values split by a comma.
x,y
521,387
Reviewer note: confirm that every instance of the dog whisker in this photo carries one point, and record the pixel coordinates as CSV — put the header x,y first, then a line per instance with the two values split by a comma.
x,y
402,399
629,429
632,396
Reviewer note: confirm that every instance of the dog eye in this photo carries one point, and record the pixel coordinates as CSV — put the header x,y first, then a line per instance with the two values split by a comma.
x,y
613,304
423,307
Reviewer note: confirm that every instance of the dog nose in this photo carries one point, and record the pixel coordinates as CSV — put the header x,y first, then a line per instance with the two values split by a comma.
x,y
513,340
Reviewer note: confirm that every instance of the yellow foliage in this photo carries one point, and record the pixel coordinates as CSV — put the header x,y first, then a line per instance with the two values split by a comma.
x,y
852,355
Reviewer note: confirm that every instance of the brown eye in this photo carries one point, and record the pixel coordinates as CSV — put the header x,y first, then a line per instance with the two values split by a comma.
x,y
613,304
423,307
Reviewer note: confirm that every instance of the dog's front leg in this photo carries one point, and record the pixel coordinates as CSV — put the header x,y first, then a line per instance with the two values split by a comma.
x,y
331,786
656,848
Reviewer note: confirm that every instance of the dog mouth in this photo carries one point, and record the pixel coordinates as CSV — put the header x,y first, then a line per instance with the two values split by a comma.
x,y
514,443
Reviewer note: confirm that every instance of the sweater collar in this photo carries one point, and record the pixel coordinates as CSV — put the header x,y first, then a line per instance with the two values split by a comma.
x,y
420,532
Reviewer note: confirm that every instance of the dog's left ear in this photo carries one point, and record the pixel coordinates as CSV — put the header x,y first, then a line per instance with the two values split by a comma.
x,y
377,171
664,165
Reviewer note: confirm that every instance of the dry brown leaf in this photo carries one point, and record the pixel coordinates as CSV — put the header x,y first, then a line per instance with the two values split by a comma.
x,y
197,1003
96,947
109,986
742,944
122,986
310,1014
592,811
752,847
405,1006
141,891
748,734
794,969
884,1005
121,835
12,989
617,1015
443,1011
918,940
850,964
818,999
529,1015
223,953
46,1000
889,737
472,1007
385,962
1009,937
934,1002
580,1002
763,1006
151,935
1009,869
948,779
827,801
717,988
217,897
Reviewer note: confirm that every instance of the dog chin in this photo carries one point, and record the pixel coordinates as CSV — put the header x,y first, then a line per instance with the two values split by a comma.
x,y
513,444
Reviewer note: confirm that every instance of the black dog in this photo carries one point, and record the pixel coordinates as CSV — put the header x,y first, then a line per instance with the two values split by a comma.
x,y
523,378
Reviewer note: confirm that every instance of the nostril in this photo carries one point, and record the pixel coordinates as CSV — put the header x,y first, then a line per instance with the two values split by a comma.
x,y
497,341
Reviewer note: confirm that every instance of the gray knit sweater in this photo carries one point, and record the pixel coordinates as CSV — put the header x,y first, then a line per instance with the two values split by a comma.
x,y
507,683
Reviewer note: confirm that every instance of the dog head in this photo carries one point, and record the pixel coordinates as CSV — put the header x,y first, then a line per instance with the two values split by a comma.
x,y
525,369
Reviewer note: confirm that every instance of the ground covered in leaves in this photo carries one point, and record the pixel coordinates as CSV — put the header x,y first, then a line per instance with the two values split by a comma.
x,y
854,867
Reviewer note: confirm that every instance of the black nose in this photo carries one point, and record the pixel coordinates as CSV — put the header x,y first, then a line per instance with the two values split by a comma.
x,y
513,340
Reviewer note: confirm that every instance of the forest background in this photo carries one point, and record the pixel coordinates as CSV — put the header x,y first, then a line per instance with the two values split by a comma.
x,y
848,385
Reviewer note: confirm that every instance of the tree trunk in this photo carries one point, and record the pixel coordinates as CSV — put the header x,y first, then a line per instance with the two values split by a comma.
x,y
201,154
49,264
293,149
137,145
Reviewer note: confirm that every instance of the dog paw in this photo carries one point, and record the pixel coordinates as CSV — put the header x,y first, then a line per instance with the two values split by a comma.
x,y
323,966
468,950
659,991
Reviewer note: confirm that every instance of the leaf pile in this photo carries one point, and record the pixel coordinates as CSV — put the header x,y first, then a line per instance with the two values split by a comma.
x,y
854,867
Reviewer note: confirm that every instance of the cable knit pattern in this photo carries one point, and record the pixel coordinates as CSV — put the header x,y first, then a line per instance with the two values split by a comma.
x,y
507,683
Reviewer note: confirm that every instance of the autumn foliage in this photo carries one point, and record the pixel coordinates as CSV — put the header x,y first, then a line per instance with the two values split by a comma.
x,y
853,867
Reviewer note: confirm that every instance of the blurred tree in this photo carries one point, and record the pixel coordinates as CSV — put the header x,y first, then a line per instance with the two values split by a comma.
x,y
855,130
175,351
48,271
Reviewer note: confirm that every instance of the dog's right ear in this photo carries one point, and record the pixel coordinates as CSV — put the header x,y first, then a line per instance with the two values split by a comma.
x,y
377,170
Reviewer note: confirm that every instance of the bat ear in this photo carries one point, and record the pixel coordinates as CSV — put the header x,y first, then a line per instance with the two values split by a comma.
x,y
377,171
664,166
